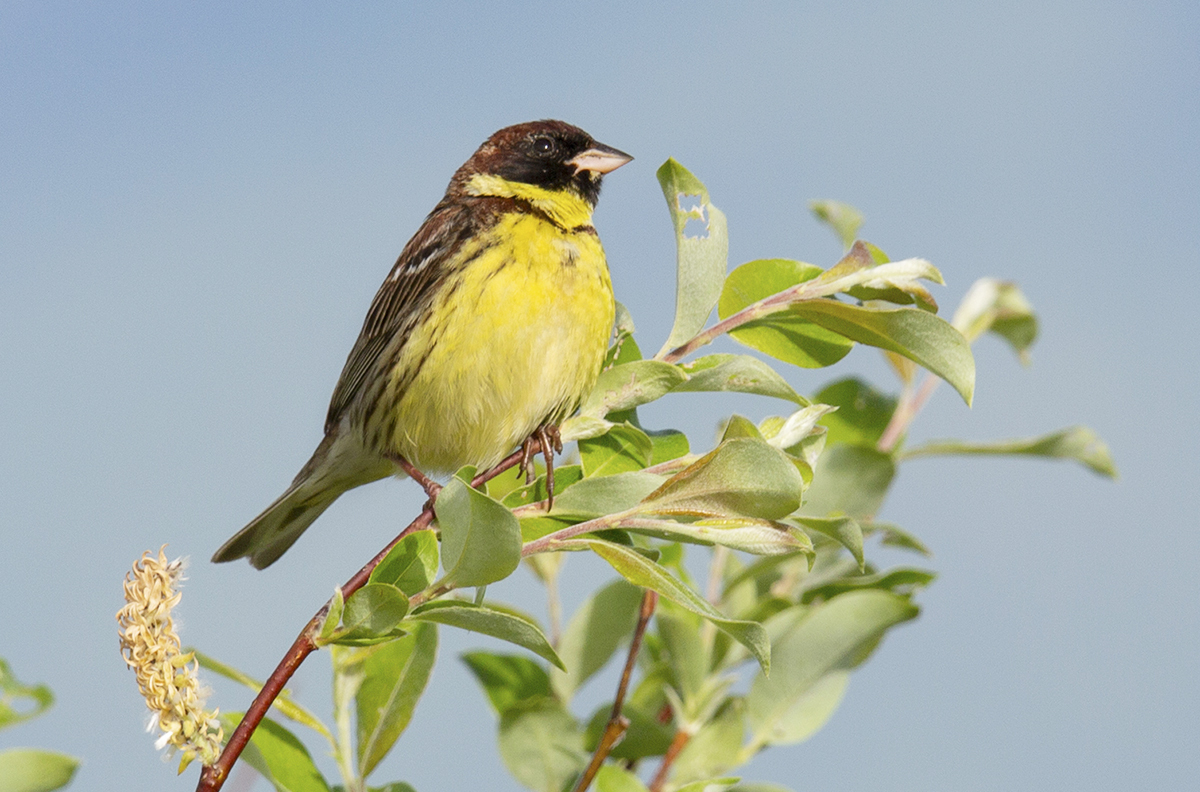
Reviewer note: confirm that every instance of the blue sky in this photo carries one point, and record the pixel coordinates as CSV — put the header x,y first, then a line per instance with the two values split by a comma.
x,y
198,204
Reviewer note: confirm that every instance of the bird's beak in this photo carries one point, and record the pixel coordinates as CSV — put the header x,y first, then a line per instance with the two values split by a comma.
x,y
599,159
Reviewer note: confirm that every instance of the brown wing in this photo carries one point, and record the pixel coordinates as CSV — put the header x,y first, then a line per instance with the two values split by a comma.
x,y
403,299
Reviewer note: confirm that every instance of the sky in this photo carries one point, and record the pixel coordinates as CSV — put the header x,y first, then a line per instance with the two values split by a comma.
x,y
200,200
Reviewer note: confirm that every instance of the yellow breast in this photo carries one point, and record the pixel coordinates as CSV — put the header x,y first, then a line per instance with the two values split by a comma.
x,y
515,339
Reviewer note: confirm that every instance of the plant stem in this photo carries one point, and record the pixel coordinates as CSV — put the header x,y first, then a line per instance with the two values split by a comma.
x,y
906,411
213,777
677,742
618,723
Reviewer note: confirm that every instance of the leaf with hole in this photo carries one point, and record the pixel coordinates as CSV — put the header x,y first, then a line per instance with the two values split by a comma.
x,y
701,260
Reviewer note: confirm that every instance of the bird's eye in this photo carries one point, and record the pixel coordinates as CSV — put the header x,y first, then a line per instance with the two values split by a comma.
x,y
543,146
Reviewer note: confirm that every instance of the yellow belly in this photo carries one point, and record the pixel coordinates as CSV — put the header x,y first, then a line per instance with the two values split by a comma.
x,y
517,341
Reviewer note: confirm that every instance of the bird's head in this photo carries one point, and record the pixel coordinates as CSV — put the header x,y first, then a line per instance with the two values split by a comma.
x,y
549,155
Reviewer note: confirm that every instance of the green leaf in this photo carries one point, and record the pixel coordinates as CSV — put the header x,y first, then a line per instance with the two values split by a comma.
x,y
598,496
36,698
743,477
600,625
740,426
917,335
623,449
714,749
789,338
333,617
709,785
862,415
411,565
1077,442
646,735
395,786
284,704
279,757
541,744
895,536
843,530
668,444
393,677
701,260
843,218
812,709
748,534
828,638
371,615
641,571
481,539
507,625
999,307
508,680
611,778
628,385
851,480
901,580
736,373
32,770
524,494
679,631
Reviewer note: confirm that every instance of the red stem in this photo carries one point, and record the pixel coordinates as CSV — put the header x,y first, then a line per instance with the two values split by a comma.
x,y
213,777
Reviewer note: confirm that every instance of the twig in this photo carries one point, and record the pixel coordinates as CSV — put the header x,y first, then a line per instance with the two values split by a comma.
x,y
614,730
677,742
910,404
213,777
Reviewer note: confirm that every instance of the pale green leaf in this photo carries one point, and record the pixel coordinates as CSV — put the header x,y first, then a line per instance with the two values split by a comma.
x,y
851,480
701,260
33,770
508,680
279,757
411,565
1078,443
35,699
829,637
748,534
783,336
393,677
612,778
715,749
596,629
370,615
862,415
481,539
843,218
736,373
628,385
741,477
920,336
541,744
843,530
622,449
596,497
641,571
507,625
283,703
999,307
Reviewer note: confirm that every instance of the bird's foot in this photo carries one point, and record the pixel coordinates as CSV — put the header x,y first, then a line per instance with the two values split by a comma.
x,y
431,487
550,443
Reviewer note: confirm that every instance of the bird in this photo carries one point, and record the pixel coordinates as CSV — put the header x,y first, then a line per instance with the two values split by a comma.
x,y
489,330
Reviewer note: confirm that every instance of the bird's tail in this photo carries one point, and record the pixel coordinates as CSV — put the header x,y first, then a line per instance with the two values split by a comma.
x,y
333,469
